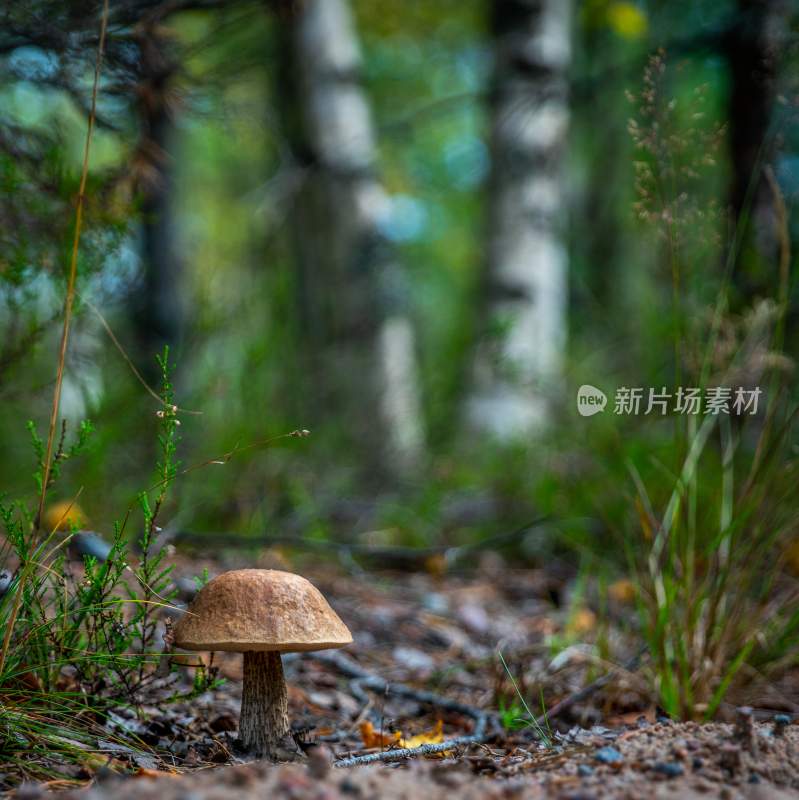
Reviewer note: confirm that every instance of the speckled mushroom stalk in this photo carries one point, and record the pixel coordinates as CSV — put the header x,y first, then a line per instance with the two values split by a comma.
x,y
264,721
262,613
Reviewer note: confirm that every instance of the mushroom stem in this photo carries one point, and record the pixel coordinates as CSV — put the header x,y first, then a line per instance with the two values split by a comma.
x,y
264,704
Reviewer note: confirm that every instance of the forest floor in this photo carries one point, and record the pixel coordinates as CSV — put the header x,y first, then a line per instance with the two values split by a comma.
x,y
423,633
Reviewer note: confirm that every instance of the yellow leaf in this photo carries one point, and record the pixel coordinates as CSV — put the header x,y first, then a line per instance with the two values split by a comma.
x,y
627,20
95,761
434,736
582,621
643,518
622,591
792,556
63,516
373,738
436,564
146,772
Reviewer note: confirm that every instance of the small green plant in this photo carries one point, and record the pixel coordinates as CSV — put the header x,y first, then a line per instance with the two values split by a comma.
x,y
518,714
708,534
713,595
152,576
511,715
201,580
76,644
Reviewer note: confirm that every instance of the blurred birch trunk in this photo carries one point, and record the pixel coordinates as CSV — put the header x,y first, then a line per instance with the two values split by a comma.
x,y
356,329
518,360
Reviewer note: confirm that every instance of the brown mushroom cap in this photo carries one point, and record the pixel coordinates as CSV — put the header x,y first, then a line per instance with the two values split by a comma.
x,y
260,609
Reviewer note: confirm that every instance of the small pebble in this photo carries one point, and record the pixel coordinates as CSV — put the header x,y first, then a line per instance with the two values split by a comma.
x,y
697,763
347,786
86,543
730,757
186,588
106,775
702,785
413,659
30,790
608,755
754,778
781,722
668,768
320,760
584,770
436,602
745,728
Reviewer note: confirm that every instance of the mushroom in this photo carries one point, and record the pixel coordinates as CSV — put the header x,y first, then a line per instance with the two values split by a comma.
x,y
261,613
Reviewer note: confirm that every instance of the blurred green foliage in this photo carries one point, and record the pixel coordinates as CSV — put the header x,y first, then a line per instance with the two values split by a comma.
x,y
427,69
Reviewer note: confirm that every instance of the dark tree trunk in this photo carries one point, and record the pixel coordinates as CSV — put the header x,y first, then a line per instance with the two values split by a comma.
x,y
753,48
158,311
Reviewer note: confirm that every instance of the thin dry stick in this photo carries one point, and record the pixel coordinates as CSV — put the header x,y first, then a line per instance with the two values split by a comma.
x,y
222,459
784,236
402,753
368,680
583,694
371,681
225,457
73,267
70,296
126,358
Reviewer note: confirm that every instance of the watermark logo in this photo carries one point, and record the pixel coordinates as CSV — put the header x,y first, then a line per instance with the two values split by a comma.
x,y
628,401
590,400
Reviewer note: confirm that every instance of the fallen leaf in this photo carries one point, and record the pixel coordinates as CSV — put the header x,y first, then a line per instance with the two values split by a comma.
x,y
792,557
374,738
622,591
31,681
436,565
63,516
146,772
582,621
434,736
643,518
96,761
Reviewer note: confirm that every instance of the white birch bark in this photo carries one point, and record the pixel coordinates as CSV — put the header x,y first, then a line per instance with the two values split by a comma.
x,y
519,358
354,286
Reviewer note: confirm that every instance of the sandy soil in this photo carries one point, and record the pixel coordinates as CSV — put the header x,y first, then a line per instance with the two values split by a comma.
x,y
661,760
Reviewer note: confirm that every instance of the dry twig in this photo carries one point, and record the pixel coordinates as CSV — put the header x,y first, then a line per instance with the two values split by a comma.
x,y
368,680
365,679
